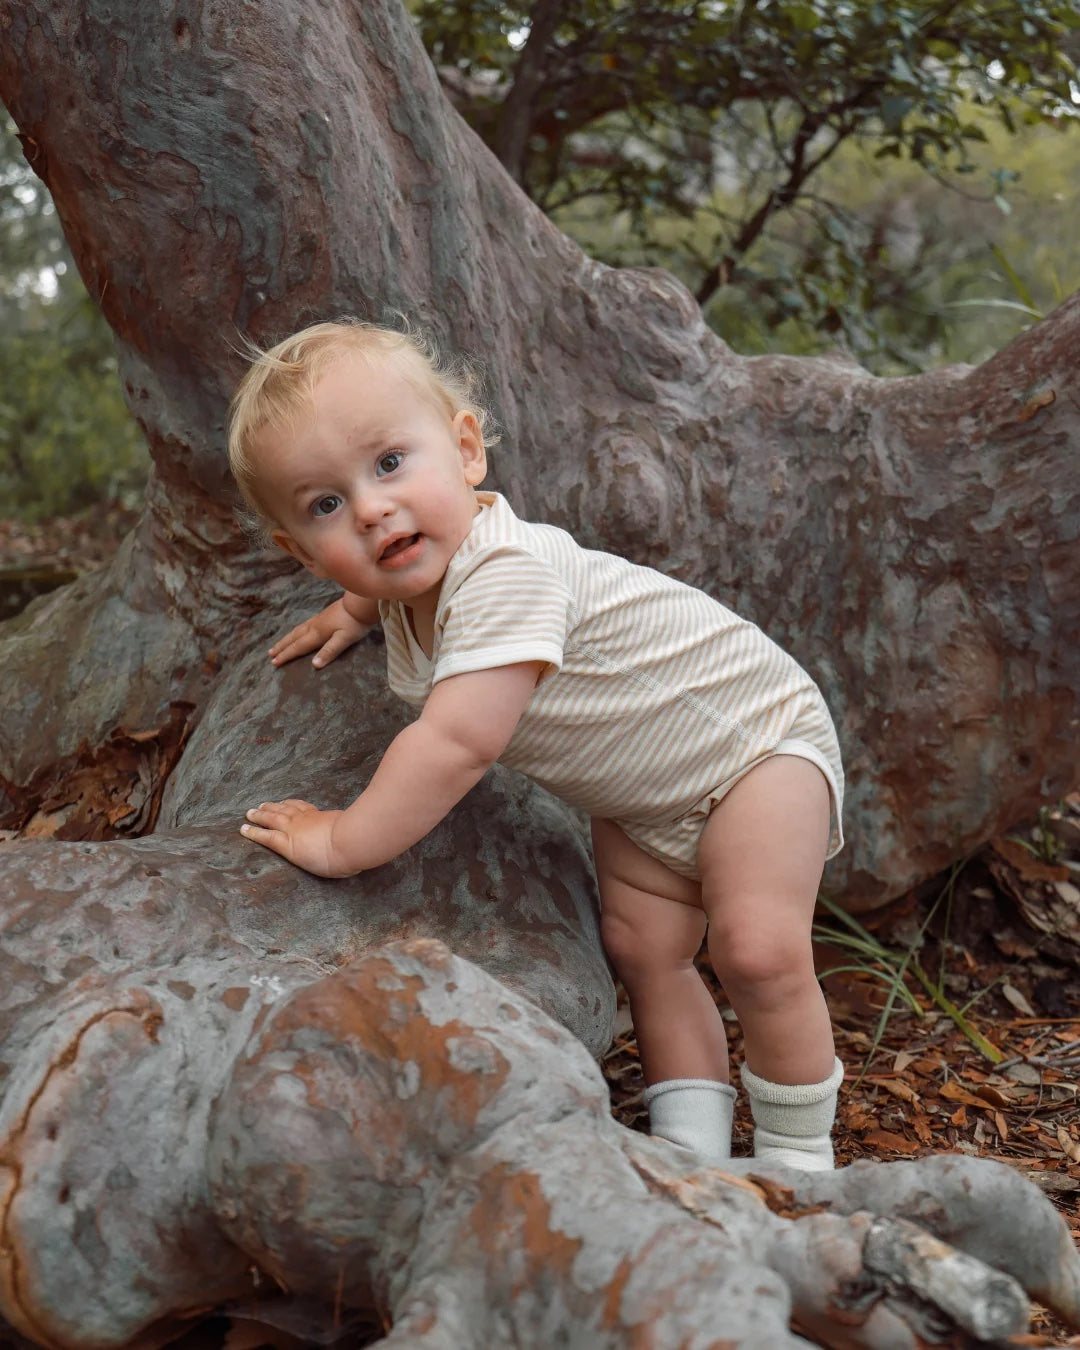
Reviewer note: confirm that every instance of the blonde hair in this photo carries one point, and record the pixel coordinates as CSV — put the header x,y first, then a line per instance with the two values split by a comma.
x,y
280,383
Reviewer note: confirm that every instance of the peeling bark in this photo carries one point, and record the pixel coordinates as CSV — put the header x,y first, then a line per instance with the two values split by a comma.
x,y
406,1140
212,1064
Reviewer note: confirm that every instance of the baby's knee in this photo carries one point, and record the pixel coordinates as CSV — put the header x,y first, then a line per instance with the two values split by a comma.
x,y
750,955
636,949
622,942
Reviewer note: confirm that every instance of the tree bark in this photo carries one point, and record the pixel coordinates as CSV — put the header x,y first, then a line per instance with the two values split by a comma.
x,y
913,542
517,110
214,1064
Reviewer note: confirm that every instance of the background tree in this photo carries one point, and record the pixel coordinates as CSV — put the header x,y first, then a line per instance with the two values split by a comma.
x,y
655,134
703,130
67,439
212,1061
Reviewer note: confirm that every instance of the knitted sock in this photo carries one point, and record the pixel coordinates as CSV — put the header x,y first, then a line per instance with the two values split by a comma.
x,y
794,1120
694,1113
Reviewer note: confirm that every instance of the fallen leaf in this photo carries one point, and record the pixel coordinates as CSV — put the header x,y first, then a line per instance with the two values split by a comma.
x,y
1025,864
1046,910
1054,1181
1012,946
1068,1144
953,1092
994,1095
889,1142
1068,892
898,1089
1014,997
1064,829
1027,1074
112,790
856,1117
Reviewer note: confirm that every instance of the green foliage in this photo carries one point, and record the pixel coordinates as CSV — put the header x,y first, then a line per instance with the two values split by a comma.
x,y
698,135
933,272
895,178
66,437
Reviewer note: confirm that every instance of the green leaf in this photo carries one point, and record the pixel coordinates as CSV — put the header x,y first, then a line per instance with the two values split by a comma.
x,y
1016,281
893,111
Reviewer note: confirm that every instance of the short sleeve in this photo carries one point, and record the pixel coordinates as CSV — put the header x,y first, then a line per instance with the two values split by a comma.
x,y
511,606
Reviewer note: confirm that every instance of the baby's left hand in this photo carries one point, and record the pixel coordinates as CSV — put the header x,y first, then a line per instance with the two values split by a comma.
x,y
300,832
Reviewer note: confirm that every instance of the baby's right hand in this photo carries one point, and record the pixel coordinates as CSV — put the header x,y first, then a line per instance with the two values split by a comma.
x,y
332,631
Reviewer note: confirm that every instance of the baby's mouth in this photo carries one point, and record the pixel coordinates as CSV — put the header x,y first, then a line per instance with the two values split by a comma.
x,y
398,546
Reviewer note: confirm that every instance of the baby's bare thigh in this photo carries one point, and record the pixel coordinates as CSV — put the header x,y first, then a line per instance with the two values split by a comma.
x,y
619,859
766,840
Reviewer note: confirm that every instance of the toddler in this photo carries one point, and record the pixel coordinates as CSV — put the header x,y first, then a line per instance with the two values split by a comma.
x,y
703,754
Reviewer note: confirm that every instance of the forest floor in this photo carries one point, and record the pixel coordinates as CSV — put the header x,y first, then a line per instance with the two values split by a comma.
x,y
956,1009
35,558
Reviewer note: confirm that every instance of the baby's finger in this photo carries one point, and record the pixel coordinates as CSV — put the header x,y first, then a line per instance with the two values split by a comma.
x,y
287,654
277,840
293,644
288,638
284,810
334,646
269,814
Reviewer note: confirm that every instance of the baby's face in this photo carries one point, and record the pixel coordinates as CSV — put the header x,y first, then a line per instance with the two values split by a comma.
x,y
374,487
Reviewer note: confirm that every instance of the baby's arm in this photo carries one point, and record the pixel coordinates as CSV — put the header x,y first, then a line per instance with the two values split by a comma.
x,y
466,724
331,630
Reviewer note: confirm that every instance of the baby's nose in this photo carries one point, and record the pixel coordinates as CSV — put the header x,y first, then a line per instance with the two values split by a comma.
x,y
371,507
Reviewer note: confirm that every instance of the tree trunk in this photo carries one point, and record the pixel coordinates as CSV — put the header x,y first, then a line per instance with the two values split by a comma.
x,y
214,1065
913,542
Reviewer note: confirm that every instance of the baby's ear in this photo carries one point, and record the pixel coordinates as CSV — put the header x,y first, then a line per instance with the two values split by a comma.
x,y
470,441
290,546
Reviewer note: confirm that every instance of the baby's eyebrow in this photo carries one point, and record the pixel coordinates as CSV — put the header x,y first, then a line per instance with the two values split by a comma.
x,y
369,438
305,490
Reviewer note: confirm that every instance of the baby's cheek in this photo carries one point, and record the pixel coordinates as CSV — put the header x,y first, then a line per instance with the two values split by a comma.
x,y
338,554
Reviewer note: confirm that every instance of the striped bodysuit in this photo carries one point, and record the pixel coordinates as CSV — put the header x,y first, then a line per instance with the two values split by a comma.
x,y
654,698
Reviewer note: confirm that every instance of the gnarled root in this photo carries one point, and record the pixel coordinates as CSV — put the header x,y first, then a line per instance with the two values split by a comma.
x,y
409,1136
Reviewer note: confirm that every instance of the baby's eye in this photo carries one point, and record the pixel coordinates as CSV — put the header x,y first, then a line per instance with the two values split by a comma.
x,y
390,461
325,506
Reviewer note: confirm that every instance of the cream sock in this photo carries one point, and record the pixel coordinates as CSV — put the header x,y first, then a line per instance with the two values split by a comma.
x,y
694,1113
794,1120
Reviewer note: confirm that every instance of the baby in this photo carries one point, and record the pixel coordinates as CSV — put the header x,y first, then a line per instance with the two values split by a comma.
x,y
703,754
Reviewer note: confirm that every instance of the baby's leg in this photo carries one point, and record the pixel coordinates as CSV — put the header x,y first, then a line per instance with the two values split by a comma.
x,y
652,925
761,857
